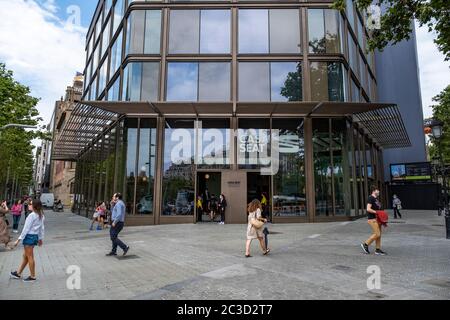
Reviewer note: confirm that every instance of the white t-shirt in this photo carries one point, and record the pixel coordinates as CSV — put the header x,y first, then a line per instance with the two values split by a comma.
x,y
33,225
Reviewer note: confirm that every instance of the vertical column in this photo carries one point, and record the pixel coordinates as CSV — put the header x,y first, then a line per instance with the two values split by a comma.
x,y
234,63
164,50
309,170
159,167
306,79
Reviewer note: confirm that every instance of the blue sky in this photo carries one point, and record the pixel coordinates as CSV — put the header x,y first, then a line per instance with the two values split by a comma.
x,y
87,8
45,51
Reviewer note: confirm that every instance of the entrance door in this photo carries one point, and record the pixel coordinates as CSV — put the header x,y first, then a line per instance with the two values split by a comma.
x,y
209,188
259,187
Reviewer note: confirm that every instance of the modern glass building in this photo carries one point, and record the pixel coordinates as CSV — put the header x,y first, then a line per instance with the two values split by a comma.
x,y
238,97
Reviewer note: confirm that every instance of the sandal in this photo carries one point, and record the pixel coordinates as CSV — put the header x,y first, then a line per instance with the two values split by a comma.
x,y
267,252
248,256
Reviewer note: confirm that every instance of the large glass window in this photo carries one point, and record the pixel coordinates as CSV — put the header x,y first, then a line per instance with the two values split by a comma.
x,y
322,167
214,137
289,187
214,81
269,31
141,81
341,174
182,78
254,144
193,81
327,81
116,55
215,31
350,13
284,31
270,81
146,166
178,189
106,38
102,77
144,32
352,54
114,90
324,31
130,148
199,31
118,15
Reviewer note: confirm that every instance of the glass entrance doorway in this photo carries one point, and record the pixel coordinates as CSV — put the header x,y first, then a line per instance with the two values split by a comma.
x,y
259,187
209,186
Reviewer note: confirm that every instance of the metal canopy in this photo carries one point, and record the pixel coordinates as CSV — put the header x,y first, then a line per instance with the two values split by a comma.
x,y
385,126
383,122
84,124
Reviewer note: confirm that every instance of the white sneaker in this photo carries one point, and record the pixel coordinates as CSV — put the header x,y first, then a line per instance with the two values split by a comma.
x,y
15,231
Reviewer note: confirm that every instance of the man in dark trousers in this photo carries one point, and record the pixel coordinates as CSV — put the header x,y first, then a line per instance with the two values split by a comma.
x,y
118,219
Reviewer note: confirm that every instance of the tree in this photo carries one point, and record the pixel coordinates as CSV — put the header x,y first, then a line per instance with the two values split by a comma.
x,y
396,21
441,112
16,148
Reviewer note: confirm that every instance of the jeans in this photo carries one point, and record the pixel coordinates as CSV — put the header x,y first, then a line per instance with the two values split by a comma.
x,y
222,215
114,234
16,221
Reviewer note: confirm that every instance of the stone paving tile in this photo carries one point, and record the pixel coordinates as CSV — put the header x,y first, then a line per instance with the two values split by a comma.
x,y
205,261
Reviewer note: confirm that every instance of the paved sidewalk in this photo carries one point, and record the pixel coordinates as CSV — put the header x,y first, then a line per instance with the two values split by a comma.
x,y
206,261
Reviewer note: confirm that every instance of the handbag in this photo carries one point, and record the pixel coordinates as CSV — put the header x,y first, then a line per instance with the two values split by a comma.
x,y
257,224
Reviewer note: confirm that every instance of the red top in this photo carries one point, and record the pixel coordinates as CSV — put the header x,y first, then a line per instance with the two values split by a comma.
x,y
382,218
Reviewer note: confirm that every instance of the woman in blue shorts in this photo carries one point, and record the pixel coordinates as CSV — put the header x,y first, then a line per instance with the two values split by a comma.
x,y
32,235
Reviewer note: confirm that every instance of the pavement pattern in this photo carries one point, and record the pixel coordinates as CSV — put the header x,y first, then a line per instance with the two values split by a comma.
x,y
206,261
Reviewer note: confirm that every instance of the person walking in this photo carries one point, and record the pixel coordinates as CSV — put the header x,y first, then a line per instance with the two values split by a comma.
x,y
397,205
222,207
373,205
118,219
99,217
32,235
26,205
4,232
16,211
254,227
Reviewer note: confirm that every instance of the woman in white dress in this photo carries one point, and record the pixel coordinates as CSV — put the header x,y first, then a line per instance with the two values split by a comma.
x,y
254,211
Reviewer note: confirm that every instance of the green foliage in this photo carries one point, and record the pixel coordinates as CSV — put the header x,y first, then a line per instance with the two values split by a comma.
x,y
16,150
441,112
396,21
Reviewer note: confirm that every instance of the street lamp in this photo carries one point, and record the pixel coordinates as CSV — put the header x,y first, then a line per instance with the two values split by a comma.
x,y
437,130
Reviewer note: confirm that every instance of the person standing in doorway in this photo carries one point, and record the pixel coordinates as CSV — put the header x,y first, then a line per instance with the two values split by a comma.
x,y
222,207
118,220
397,205
16,211
32,235
199,205
373,205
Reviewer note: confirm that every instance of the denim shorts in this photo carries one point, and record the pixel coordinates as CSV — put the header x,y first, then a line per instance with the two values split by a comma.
x,y
31,240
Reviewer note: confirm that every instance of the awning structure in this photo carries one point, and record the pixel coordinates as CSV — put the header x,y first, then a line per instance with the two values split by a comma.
x,y
383,122
385,126
80,129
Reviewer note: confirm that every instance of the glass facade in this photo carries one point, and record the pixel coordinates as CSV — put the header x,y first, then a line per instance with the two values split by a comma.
x,y
230,56
270,81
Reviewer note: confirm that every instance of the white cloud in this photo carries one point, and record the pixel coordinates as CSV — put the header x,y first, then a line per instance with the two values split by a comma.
x,y
434,71
42,51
